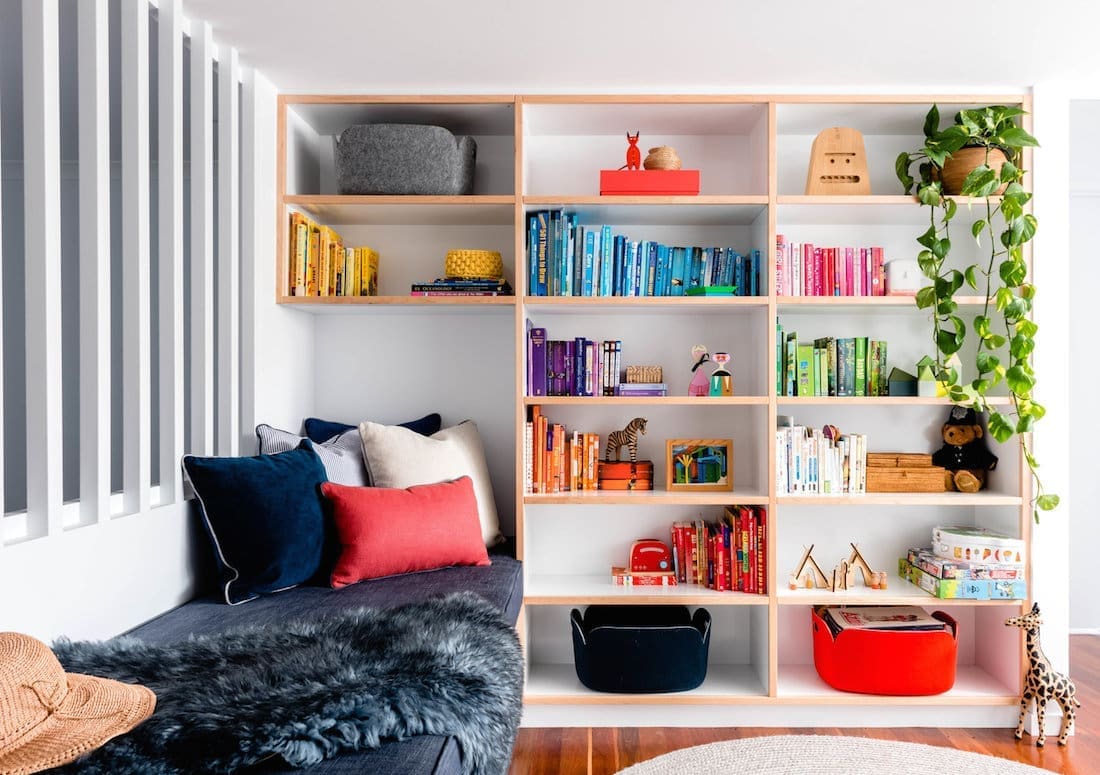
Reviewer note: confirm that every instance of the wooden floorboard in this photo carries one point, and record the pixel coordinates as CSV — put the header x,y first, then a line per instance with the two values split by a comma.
x,y
603,751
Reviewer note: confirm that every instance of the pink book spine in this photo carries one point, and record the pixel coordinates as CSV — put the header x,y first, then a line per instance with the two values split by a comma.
x,y
837,269
849,261
865,264
879,278
807,269
819,272
780,263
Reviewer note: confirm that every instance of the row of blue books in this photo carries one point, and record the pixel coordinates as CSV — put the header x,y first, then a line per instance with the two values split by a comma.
x,y
566,258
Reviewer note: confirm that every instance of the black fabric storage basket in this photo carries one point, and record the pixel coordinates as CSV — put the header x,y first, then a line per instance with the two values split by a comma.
x,y
640,648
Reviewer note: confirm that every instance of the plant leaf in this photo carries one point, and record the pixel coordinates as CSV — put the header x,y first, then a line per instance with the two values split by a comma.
x,y
1047,502
972,276
1030,225
977,228
1013,273
932,121
901,168
929,194
1009,171
928,238
949,209
1019,381
981,181
986,361
999,427
1017,137
1021,346
981,326
926,297
995,341
945,341
1024,423
1027,327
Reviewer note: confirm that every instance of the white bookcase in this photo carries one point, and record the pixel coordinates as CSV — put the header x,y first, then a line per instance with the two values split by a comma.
x,y
542,152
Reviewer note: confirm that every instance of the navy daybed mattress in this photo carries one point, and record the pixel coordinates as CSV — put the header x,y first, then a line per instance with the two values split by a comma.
x,y
500,583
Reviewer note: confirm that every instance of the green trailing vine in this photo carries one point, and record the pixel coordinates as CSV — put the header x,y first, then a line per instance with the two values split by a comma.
x,y
1003,334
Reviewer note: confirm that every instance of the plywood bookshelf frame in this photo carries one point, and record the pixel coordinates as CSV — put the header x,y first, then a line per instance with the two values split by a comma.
x,y
786,683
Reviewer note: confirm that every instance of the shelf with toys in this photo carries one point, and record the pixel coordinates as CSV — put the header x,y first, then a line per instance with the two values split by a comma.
x,y
656,326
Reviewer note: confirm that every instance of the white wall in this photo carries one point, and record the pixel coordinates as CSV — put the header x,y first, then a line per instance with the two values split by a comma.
x,y
1084,370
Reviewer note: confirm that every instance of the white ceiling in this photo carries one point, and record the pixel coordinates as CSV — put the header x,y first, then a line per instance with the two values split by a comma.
x,y
655,46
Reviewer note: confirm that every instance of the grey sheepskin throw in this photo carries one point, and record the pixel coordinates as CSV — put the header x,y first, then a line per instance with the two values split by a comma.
x,y
309,690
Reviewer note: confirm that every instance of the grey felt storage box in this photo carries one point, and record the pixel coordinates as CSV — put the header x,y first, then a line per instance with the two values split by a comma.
x,y
404,159
638,649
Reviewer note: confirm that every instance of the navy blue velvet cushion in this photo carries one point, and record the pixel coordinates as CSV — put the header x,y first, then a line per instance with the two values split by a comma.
x,y
321,431
264,516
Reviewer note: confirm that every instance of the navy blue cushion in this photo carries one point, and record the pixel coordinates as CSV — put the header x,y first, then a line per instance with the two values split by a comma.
x,y
264,516
322,430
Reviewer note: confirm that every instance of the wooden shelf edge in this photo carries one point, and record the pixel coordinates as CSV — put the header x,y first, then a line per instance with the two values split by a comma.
x,y
411,199
541,200
397,301
646,400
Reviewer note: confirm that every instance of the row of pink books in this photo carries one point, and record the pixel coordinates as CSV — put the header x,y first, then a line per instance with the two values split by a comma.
x,y
805,269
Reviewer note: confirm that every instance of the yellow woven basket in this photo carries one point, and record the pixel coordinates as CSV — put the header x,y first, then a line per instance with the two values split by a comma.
x,y
474,263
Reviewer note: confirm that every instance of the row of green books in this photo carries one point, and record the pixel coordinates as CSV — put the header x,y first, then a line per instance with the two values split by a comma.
x,y
830,366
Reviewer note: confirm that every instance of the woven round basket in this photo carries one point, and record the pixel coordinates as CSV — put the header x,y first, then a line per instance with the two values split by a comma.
x,y
474,263
663,157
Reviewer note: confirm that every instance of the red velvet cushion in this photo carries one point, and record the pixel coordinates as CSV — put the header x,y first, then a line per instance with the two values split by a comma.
x,y
385,531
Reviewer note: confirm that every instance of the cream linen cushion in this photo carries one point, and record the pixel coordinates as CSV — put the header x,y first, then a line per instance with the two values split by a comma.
x,y
399,457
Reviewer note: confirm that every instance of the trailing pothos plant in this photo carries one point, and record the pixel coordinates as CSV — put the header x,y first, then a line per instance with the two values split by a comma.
x,y
1003,335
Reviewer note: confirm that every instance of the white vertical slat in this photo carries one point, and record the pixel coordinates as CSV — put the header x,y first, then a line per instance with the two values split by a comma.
x,y
228,290
136,435
250,164
170,253
202,240
42,221
2,523
93,59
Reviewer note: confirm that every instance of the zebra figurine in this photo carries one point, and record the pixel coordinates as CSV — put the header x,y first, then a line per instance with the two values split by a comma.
x,y
1042,683
628,436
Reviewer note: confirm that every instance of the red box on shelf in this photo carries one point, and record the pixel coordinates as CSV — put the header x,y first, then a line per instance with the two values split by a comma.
x,y
890,662
649,182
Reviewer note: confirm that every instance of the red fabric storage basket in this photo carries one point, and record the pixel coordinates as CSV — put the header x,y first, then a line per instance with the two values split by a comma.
x,y
887,662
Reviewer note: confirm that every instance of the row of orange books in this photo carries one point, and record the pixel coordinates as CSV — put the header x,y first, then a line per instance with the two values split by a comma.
x,y
319,264
556,460
728,555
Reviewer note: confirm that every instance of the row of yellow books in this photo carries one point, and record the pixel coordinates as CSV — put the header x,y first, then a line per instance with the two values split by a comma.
x,y
320,264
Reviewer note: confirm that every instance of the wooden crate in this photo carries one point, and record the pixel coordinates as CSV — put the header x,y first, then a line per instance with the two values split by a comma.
x,y
903,472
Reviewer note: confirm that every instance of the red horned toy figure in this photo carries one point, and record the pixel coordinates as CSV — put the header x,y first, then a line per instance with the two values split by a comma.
x,y
633,153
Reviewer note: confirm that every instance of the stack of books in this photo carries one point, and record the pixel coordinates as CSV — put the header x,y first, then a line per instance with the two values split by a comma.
x,y
642,389
451,286
879,617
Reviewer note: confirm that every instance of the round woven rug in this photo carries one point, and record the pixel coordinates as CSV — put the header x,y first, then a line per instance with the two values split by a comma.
x,y
824,755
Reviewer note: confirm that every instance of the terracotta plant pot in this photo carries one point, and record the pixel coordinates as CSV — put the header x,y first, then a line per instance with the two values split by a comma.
x,y
963,161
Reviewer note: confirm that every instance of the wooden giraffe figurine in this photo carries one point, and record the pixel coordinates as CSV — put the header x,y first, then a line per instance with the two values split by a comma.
x,y
1042,683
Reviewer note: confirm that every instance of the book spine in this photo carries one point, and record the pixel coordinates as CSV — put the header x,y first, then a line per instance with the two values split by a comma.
x,y
878,278
861,366
536,381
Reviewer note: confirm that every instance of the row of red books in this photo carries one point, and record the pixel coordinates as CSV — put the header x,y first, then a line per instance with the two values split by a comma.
x,y
727,555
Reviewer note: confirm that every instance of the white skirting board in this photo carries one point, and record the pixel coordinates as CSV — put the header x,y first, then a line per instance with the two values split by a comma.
x,y
775,715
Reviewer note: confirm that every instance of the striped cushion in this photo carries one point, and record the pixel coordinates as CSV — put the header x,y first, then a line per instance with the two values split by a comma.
x,y
341,455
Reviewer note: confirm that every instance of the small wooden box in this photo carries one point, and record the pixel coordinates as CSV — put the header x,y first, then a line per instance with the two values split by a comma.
x,y
624,475
903,472
898,459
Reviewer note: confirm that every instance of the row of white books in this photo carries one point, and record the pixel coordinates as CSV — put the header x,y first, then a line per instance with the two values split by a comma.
x,y
812,461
